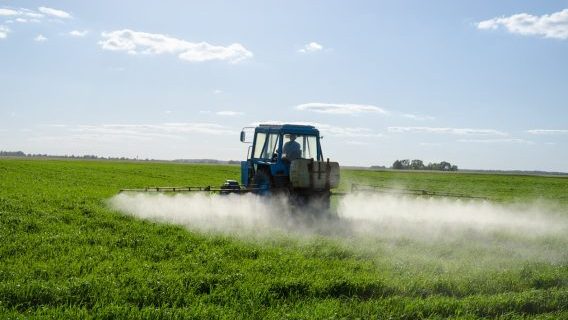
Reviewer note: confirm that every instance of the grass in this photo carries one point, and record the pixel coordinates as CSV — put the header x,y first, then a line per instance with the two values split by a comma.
x,y
65,254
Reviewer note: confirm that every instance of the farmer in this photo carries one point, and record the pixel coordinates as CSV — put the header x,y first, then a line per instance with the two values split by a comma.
x,y
291,149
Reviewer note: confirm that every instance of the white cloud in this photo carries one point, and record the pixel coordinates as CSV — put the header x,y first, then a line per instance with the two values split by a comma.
x,y
228,113
548,131
217,91
55,13
31,14
4,32
23,20
311,47
554,25
455,131
331,130
341,109
40,38
78,34
418,117
22,12
134,42
178,128
512,140
8,12
139,132
348,132
23,15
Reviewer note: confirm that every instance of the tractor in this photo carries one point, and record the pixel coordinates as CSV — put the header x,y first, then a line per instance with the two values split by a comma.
x,y
283,160
287,159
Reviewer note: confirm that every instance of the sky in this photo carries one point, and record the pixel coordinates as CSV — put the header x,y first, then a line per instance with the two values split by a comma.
x,y
481,84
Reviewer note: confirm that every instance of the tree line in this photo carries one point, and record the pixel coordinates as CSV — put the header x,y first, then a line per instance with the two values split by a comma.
x,y
417,164
66,156
12,154
95,157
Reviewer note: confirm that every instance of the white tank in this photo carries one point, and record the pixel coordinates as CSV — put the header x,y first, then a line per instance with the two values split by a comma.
x,y
315,175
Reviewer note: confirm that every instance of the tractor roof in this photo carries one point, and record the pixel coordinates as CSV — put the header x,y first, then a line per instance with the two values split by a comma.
x,y
288,128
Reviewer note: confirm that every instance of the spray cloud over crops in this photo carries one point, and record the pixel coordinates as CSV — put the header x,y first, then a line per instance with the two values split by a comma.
x,y
530,232
218,213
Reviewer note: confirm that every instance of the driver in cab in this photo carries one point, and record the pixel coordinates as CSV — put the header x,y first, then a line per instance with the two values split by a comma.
x,y
291,149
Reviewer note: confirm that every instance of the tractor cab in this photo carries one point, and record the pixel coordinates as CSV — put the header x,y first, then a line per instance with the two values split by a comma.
x,y
272,151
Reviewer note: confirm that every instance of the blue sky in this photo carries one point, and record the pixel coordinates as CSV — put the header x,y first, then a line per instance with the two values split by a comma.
x,y
482,84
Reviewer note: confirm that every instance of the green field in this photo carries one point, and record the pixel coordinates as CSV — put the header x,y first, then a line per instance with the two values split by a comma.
x,y
66,254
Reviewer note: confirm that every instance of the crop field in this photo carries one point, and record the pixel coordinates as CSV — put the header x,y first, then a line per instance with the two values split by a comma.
x,y
71,248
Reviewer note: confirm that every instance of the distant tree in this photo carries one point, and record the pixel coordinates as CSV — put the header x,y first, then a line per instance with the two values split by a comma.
x,y
445,166
417,164
397,165
12,153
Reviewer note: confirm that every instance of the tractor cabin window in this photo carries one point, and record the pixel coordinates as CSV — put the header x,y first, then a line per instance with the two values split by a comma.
x,y
308,147
266,146
259,144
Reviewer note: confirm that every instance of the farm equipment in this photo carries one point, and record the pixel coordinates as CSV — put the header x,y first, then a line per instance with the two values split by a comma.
x,y
282,160
287,160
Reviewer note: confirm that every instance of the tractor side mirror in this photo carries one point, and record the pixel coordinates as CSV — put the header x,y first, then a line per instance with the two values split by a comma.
x,y
245,136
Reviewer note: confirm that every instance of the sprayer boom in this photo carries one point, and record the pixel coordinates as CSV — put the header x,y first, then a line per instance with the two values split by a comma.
x,y
355,188
225,189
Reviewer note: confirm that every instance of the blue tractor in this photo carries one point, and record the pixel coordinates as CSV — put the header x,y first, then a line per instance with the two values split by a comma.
x,y
284,160
288,159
